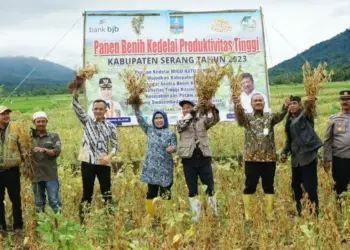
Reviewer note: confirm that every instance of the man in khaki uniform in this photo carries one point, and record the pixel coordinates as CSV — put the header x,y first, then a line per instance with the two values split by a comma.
x,y
195,152
337,144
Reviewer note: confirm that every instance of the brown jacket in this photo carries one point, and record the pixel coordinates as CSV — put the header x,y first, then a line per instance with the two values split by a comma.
x,y
193,131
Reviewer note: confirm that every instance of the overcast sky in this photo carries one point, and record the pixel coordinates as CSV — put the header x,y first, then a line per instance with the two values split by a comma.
x,y
32,27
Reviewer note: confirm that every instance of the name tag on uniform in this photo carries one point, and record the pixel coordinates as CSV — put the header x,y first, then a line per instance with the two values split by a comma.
x,y
266,131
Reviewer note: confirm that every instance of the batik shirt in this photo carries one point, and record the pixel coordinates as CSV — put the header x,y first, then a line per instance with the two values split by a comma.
x,y
259,141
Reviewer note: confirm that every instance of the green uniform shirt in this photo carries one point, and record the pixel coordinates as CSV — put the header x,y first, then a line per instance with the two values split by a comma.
x,y
46,166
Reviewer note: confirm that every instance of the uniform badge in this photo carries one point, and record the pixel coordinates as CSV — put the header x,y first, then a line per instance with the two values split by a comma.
x,y
340,129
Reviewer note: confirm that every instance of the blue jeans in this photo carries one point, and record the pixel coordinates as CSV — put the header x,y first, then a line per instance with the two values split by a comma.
x,y
52,188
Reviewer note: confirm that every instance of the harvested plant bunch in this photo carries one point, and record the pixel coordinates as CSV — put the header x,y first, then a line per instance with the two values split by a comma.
x,y
235,81
137,23
81,76
207,83
314,80
135,84
25,137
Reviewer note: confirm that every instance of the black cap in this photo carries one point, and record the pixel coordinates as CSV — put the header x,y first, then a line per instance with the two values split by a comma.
x,y
183,102
105,82
295,98
344,94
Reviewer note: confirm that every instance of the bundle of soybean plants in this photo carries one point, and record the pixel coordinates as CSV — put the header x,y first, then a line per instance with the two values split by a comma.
x,y
235,81
82,74
207,83
136,84
314,80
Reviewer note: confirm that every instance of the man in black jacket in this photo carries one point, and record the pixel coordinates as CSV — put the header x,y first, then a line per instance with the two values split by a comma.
x,y
303,144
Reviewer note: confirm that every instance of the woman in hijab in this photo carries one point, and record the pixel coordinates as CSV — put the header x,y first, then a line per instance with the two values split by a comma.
x,y
157,168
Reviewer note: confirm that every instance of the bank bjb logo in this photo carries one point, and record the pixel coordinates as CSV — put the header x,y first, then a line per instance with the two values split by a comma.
x,y
177,24
100,29
110,29
248,22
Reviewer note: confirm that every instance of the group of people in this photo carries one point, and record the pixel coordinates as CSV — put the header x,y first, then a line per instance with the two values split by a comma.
x,y
100,143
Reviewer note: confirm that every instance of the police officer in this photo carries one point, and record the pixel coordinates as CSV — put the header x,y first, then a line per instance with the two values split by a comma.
x,y
113,108
337,144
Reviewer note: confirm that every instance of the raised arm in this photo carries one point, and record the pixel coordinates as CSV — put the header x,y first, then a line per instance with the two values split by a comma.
x,y
182,124
80,113
240,115
213,119
143,124
278,117
310,107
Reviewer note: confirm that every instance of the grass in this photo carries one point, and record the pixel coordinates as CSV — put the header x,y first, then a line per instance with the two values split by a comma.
x,y
130,228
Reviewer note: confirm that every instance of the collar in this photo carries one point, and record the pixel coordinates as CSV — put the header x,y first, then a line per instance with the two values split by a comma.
x,y
251,93
259,114
4,128
103,121
36,133
296,114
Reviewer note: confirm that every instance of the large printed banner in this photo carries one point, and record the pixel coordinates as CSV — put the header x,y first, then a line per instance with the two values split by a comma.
x,y
169,44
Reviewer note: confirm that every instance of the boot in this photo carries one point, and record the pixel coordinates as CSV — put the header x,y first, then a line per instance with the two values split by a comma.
x,y
247,201
212,202
150,207
269,206
195,205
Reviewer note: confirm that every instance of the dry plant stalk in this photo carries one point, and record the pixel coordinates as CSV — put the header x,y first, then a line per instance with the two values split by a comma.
x,y
136,84
25,139
235,81
314,80
82,75
207,83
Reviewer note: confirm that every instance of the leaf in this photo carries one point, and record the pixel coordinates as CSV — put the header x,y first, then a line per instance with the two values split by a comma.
x,y
176,238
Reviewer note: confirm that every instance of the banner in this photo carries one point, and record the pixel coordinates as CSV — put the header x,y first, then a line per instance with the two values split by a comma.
x,y
169,44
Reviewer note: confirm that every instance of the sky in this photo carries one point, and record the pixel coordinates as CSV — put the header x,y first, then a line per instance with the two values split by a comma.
x,y
33,28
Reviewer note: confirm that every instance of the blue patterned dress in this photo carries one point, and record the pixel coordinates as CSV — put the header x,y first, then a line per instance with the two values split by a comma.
x,y
158,167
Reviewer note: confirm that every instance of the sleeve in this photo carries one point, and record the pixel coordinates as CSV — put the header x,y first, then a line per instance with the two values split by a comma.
x,y
57,145
240,116
183,124
114,139
328,141
80,113
310,109
143,124
213,119
286,148
173,141
278,117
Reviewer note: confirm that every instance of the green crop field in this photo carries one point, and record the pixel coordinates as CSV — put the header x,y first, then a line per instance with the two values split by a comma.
x,y
130,227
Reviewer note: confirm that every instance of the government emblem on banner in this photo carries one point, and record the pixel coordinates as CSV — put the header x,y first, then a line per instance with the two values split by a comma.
x,y
177,24
248,22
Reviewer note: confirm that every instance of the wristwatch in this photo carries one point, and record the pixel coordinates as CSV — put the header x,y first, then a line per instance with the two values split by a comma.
x,y
45,150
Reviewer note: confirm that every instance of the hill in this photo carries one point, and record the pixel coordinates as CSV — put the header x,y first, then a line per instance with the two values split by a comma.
x,y
47,76
335,51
